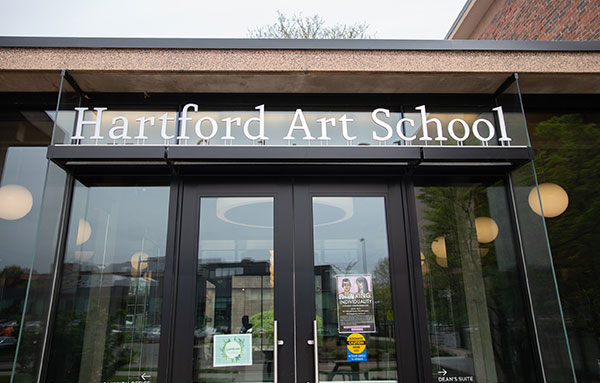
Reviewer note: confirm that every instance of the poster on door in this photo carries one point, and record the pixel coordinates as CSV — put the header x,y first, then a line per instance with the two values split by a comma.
x,y
355,303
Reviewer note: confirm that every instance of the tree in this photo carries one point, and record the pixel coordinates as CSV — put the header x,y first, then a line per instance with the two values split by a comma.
x,y
308,27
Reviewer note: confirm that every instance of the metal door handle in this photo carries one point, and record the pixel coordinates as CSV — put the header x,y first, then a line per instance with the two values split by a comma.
x,y
315,342
276,344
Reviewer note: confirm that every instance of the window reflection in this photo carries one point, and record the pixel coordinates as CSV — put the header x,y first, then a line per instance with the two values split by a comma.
x,y
567,163
235,290
475,310
23,172
351,260
107,324
24,135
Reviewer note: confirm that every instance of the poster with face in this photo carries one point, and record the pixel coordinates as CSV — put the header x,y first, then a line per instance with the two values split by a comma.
x,y
355,303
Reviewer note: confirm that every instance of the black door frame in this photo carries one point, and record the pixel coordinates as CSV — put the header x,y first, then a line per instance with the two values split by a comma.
x,y
409,363
177,346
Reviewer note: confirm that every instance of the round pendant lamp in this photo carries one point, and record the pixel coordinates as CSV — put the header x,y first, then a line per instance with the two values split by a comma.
x,y
555,200
438,246
486,228
84,231
15,202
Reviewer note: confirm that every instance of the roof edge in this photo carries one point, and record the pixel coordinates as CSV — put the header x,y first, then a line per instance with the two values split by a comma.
x,y
293,44
458,19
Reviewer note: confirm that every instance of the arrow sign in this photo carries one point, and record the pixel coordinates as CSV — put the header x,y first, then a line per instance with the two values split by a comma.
x,y
144,376
443,372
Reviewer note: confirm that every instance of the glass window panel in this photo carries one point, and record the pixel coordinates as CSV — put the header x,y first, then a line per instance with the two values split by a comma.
x,y
24,135
234,291
21,189
107,325
475,307
352,284
566,163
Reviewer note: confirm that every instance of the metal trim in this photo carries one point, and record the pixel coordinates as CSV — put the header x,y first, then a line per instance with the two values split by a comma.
x,y
295,44
60,251
153,155
170,285
419,304
408,350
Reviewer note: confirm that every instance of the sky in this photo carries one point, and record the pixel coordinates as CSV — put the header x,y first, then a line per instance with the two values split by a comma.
x,y
387,19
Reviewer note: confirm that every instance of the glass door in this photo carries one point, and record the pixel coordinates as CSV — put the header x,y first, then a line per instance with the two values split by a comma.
x,y
346,258
235,306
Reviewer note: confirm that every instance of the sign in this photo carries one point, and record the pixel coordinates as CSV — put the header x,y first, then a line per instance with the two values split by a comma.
x,y
193,126
356,348
232,350
355,304
444,378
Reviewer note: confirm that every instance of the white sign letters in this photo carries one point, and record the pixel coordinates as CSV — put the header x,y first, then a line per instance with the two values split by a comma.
x,y
193,126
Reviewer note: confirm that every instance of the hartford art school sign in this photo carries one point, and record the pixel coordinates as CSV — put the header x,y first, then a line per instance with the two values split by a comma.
x,y
377,127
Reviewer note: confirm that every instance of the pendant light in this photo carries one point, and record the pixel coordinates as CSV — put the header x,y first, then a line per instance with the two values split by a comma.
x,y
555,200
438,247
15,202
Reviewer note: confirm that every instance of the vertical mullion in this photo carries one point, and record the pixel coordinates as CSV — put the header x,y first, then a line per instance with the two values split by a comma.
x,y
304,294
61,249
183,340
284,278
403,290
418,292
168,317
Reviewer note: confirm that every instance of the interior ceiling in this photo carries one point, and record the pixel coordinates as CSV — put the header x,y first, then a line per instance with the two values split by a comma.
x,y
297,82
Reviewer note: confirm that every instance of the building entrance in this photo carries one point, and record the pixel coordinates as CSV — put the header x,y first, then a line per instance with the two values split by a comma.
x,y
289,281
281,279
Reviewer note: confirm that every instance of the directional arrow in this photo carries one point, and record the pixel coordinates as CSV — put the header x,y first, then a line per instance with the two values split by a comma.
x,y
443,372
144,376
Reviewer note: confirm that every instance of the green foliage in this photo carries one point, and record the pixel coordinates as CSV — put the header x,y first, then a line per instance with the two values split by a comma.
x,y
471,279
13,278
115,355
262,326
68,346
567,154
382,292
308,27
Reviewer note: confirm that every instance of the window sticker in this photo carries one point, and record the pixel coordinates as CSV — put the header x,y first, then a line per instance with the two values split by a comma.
x,y
356,348
232,350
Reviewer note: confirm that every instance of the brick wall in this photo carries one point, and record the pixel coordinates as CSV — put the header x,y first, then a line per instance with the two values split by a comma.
x,y
544,20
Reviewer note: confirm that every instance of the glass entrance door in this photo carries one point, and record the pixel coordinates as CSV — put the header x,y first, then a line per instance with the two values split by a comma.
x,y
351,245
353,297
235,284
287,282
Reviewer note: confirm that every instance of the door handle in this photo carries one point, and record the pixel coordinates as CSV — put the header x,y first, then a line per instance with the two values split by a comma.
x,y
315,342
276,344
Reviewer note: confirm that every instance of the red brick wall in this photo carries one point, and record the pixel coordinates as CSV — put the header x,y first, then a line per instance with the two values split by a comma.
x,y
545,20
